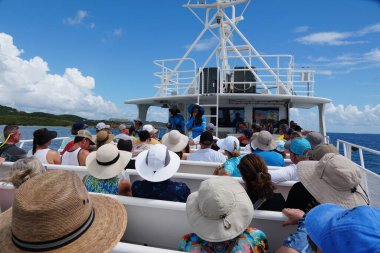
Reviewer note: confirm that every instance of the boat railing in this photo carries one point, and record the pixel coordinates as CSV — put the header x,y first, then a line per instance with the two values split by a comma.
x,y
349,147
281,78
23,142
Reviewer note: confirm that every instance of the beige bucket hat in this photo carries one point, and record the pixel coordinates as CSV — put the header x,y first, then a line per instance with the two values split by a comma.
x,y
334,179
107,161
53,212
175,141
264,141
220,210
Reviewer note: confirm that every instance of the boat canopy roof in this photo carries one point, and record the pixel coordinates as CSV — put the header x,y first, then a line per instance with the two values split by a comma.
x,y
304,102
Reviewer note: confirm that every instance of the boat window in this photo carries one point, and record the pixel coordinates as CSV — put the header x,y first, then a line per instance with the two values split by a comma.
x,y
228,117
267,118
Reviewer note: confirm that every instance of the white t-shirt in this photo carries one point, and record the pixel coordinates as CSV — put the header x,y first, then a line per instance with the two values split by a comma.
x,y
206,155
288,173
40,155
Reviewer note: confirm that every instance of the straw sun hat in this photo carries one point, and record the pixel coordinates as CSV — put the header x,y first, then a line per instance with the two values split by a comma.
x,y
53,212
220,210
175,141
107,162
157,164
334,179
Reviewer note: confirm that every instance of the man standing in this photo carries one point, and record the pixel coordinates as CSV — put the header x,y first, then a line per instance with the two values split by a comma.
x,y
8,149
78,153
176,120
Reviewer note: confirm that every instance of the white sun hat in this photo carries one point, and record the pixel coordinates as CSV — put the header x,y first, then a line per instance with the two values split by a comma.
x,y
157,164
107,162
175,141
101,126
150,128
230,144
220,210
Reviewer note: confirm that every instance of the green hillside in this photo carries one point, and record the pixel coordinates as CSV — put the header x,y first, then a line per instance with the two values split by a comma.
x,y
11,116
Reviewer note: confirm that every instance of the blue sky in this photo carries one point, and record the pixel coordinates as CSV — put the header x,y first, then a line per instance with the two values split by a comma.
x,y
87,57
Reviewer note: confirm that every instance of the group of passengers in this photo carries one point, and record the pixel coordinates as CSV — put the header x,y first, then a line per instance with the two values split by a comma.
x,y
328,204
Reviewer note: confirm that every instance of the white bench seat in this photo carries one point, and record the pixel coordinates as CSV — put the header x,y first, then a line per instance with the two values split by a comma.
x,y
161,224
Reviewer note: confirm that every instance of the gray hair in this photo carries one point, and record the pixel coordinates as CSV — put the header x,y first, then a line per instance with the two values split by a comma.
x,y
24,169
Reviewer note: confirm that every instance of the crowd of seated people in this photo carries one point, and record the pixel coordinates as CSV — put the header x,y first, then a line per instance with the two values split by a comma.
x,y
220,212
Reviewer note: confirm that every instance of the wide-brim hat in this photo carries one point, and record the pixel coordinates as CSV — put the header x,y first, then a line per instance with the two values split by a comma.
x,y
157,164
87,134
102,235
230,144
150,128
107,162
175,141
43,135
104,136
264,141
220,210
334,179
192,106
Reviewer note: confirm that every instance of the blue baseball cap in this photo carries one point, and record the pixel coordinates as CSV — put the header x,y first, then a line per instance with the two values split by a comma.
x,y
336,229
299,146
79,126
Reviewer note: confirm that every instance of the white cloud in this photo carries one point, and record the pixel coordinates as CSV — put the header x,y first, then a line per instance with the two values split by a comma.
x,y
28,85
341,118
301,29
78,19
338,38
118,32
373,55
205,44
325,72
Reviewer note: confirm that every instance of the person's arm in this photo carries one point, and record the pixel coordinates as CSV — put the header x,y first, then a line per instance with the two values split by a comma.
x,y
181,124
53,157
288,173
2,159
125,188
201,127
189,124
82,157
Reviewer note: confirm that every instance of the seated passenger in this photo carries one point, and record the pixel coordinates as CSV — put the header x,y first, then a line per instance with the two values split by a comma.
x,y
8,149
334,179
53,212
348,230
320,150
106,169
24,169
175,141
77,154
144,143
315,138
104,137
220,213
299,149
69,142
156,166
41,141
123,135
209,128
152,135
258,184
265,146
205,153
244,139
231,147
127,145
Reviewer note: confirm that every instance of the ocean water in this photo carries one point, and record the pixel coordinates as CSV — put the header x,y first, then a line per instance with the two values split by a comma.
x,y
371,161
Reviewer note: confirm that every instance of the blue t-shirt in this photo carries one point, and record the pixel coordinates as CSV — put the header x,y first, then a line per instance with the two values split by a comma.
x,y
271,158
231,166
165,190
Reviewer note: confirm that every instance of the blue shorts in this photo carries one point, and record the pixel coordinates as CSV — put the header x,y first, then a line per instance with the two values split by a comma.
x,y
298,240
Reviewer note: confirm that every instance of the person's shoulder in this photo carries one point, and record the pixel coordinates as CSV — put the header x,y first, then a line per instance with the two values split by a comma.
x,y
187,241
255,235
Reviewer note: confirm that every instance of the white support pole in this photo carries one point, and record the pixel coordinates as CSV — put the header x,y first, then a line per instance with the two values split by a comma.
x,y
322,126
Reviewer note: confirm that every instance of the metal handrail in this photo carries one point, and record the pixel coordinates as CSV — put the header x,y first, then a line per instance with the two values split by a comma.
x,y
22,142
347,148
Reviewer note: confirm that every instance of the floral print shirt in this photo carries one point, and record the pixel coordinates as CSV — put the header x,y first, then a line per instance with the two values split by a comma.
x,y
251,240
